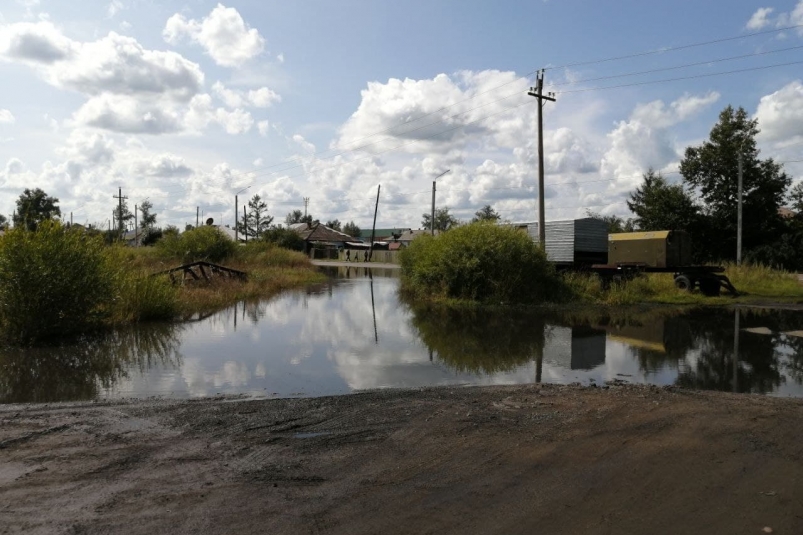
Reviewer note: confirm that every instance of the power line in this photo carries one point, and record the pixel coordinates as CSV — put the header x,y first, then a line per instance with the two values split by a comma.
x,y
525,77
674,48
677,67
706,75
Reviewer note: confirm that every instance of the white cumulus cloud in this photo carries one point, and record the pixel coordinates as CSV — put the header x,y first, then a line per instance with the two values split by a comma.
x,y
120,113
760,19
111,64
258,98
223,34
643,141
6,116
780,114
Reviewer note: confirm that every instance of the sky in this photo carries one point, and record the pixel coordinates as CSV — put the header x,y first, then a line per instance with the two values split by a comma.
x,y
187,103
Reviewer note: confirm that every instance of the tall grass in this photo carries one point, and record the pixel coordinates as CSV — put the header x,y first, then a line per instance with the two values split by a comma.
x,y
137,295
53,282
763,281
754,283
268,254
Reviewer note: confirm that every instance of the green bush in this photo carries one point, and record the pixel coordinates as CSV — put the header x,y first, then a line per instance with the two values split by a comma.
x,y
262,253
203,243
480,262
284,237
53,282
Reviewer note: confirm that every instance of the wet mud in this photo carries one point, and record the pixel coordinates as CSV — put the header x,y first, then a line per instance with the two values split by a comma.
x,y
524,459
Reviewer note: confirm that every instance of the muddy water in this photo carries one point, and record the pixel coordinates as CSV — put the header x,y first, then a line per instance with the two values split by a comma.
x,y
353,333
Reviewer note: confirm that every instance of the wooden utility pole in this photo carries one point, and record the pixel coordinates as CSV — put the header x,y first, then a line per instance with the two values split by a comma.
x,y
245,225
432,216
739,214
236,237
136,226
432,221
373,229
120,198
538,92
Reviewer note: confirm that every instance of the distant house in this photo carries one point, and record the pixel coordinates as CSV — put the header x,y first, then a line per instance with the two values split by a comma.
x,y
409,235
133,237
382,234
320,236
229,233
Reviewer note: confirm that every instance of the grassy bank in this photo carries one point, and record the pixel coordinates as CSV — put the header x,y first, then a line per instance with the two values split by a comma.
x,y
57,282
490,265
755,283
270,270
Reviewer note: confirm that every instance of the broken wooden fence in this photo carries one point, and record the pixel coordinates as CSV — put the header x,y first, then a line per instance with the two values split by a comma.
x,y
202,270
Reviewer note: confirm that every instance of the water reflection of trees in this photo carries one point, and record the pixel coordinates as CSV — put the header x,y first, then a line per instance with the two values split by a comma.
x,y
480,341
698,343
82,368
715,368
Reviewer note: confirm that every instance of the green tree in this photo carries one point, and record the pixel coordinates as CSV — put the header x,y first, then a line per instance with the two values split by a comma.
x,y
34,207
659,205
3,221
127,215
352,229
257,220
284,237
297,216
796,197
486,213
712,169
443,220
148,219
615,223
334,224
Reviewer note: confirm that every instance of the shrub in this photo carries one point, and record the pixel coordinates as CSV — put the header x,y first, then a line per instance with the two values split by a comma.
x,y
151,236
284,237
203,243
480,262
268,254
53,282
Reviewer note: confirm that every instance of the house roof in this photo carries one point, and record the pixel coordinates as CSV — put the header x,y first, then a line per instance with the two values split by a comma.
x,y
381,232
409,235
229,232
320,232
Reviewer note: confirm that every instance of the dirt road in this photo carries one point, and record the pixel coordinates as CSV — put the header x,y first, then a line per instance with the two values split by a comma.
x,y
537,459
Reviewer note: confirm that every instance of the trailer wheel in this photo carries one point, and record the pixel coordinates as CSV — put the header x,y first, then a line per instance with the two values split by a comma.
x,y
710,286
682,282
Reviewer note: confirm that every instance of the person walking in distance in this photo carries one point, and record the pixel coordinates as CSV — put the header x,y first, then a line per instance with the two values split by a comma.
x,y
348,255
365,258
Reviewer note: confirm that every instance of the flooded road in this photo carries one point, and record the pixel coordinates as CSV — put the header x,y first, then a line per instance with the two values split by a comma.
x,y
354,333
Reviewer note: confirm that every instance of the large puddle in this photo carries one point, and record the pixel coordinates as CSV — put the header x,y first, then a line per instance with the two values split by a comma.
x,y
353,333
